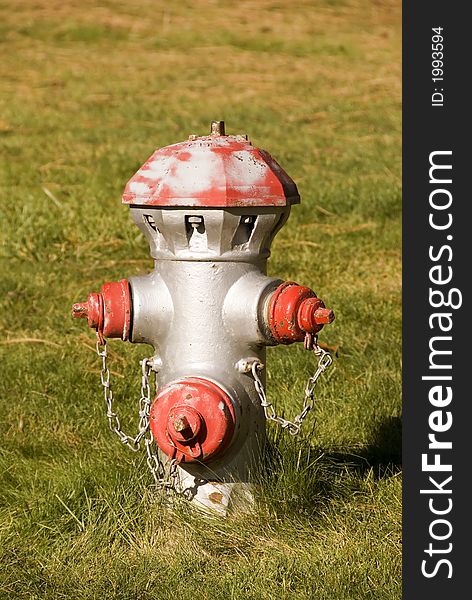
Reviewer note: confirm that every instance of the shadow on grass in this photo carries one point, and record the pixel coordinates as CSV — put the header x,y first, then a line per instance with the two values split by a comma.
x,y
300,478
383,454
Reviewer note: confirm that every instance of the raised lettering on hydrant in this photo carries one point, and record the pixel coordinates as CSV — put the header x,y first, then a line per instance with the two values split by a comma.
x,y
209,208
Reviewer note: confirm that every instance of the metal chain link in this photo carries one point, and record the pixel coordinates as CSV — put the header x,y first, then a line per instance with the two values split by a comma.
x,y
162,479
158,471
324,362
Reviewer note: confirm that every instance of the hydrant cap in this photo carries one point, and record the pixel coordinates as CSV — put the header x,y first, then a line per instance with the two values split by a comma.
x,y
214,171
192,417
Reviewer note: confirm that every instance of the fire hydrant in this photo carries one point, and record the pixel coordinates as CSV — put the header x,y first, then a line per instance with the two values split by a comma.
x,y
209,208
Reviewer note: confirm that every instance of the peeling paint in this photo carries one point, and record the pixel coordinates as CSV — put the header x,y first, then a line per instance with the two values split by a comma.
x,y
215,171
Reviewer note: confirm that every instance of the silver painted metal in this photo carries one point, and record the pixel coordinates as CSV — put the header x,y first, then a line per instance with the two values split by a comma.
x,y
203,310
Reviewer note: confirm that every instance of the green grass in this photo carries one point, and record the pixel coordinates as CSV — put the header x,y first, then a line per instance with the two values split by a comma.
x,y
89,90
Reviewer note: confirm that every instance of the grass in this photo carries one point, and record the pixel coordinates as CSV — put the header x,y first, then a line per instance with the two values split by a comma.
x,y
89,90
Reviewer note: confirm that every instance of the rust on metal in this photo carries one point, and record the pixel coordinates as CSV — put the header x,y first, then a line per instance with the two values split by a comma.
x,y
181,423
217,128
323,316
80,310
216,497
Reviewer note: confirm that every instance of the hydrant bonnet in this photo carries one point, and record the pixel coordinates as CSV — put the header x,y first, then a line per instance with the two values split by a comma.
x,y
211,171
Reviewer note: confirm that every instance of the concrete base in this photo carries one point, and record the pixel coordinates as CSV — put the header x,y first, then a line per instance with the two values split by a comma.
x,y
221,498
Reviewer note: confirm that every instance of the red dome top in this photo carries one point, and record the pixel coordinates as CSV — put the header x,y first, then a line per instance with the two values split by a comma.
x,y
211,171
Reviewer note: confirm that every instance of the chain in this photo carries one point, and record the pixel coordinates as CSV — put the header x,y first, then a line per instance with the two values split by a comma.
x,y
161,478
324,362
168,480
133,442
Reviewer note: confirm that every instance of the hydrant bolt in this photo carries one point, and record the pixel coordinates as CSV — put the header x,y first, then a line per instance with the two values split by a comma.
x,y
184,430
92,310
80,310
181,423
217,128
323,316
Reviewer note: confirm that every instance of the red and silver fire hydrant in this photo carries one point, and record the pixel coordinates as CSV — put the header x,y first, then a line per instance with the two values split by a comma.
x,y
209,208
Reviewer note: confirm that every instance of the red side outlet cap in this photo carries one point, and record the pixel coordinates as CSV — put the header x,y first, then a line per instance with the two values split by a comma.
x,y
108,311
295,310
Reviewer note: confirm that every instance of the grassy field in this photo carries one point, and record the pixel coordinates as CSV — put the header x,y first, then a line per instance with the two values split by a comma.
x,y
89,90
